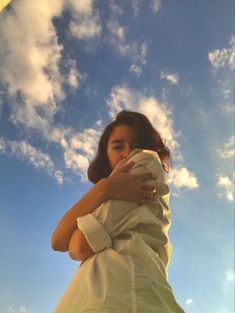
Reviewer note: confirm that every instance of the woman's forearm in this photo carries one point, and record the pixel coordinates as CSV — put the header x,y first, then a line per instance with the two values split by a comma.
x,y
87,204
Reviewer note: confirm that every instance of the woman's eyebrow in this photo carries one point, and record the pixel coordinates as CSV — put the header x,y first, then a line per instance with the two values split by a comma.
x,y
117,141
120,141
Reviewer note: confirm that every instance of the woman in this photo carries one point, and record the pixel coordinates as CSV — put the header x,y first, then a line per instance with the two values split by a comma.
x,y
119,228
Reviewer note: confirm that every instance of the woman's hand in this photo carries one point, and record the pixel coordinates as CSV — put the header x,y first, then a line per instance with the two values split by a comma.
x,y
124,186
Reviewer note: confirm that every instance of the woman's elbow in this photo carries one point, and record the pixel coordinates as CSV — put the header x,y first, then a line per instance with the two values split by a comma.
x,y
57,244
75,255
78,247
79,256
74,252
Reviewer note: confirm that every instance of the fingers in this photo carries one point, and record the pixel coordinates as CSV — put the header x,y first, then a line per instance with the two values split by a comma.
x,y
147,194
150,188
128,166
145,176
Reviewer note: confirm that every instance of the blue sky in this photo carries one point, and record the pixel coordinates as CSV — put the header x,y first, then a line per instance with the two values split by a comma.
x,y
66,68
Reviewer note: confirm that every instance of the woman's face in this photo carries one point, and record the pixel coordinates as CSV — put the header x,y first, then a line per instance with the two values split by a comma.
x,y
121,142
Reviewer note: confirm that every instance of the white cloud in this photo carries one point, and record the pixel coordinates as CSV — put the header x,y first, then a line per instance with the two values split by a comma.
x,y
136,6
74,77
228,108
23,309
30,72
30,62
26,52
78,148
229,275
30,66
160,115
85,141
11,309
182,177
76,162
222,63
226,185
85,27
39,160
137,70
172,78
2,145
85,22
224,57
122,97
117,31
155,5
99,123
81,7
189,301
115,8
228,151
225,181
136,52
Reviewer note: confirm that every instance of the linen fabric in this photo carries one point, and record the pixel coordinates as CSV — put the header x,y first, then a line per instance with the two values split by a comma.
x,y
128,271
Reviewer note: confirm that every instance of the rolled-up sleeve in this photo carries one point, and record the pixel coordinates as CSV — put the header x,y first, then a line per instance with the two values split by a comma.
x,y
114,217
96,235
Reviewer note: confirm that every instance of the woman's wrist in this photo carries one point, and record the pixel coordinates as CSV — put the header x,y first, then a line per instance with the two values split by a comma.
x,y
104,189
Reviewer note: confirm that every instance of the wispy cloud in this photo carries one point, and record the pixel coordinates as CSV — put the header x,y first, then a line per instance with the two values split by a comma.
x,y
115,8
225,179
229,276
136,6
122,97
155,5
31,74
30,66
38,159
189,301
172,78
223,64
2,145
228,151
182,177
31,58
74,77
85,23
224,57
137,70
27,51
136,52
226,185
11,309
23,309
79,149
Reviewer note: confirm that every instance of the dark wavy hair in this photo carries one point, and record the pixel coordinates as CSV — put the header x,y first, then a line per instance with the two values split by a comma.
x,y
148,138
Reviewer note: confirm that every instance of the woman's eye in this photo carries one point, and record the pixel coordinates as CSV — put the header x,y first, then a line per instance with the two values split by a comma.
x,y
117,147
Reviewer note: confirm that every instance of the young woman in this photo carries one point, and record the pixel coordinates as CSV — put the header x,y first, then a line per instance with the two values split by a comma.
x,y
119,229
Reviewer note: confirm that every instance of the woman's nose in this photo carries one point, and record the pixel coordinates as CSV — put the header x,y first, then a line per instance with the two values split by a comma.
x,y
127,151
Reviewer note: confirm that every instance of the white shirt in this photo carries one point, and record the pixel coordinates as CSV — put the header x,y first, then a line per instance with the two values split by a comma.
x,y
128,272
